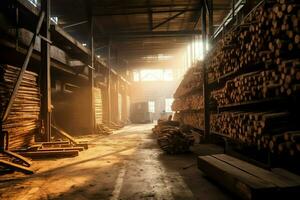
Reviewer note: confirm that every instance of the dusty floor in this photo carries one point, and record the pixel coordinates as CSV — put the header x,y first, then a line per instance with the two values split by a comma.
x,y
125,165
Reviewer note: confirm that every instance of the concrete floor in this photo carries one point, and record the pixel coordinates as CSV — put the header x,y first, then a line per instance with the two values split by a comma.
x,y
125,165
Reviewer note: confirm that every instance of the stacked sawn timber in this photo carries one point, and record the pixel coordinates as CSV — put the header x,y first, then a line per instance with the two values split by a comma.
x,y
259,59
23,119
172,138
188,103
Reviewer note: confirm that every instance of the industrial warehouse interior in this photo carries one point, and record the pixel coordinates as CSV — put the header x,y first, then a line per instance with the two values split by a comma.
x,y
149,99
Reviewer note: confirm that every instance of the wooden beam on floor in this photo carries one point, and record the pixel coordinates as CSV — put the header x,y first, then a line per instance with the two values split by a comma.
x,y
50,154
15,167
248,181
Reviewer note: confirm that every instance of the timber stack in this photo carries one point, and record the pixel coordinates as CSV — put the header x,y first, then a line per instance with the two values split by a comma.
x,y
173,138
258,62
23,119
188,98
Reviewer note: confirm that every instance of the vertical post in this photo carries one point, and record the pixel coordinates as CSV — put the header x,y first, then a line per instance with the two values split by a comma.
x,y
195,48
191,52
2,137
91,73
210,19
46,74
17,24
117,97
205,81
109,83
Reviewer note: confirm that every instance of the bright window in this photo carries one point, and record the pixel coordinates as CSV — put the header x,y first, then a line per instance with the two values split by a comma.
x,y
168,75
151,106
151,74
136,76
168,104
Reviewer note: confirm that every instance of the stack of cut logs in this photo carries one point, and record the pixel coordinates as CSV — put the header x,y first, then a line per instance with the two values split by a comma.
x,y
266,130
271,35
260,84
23,119
193,102
192,81
259,59
189,103
194,119
173,139
248,126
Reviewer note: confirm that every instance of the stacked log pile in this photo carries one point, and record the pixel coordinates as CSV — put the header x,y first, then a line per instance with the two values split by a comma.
x,y
260,85
189,101
259,60
23,119
270,35
265,130
172,138
192,80
194,119
248,127
193,102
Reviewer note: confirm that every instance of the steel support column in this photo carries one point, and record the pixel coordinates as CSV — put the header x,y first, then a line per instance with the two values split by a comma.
x,y
109,82
91,74
210,19
46,75
205,81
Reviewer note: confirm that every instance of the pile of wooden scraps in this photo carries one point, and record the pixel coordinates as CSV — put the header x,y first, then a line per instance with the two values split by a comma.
x,y
172,138
116,126
103,129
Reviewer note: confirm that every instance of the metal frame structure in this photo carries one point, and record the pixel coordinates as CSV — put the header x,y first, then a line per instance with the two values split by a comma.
x,y
46,74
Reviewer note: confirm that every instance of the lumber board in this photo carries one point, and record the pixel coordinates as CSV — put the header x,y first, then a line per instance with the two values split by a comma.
x,y
15,167
64,134
241,183
287,175
261,173
50,154
61,149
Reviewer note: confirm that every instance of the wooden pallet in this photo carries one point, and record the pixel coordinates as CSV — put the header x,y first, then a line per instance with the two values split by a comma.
x,y
46,150
248,181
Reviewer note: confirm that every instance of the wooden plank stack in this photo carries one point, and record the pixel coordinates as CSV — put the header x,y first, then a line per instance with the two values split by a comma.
x,y
172,138
98,101
98,106
189,101
259,60
23,120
